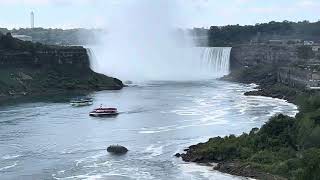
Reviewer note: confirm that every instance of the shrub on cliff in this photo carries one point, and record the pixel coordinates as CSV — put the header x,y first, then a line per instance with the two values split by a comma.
x,y
278,132
311,165
7,42
276,136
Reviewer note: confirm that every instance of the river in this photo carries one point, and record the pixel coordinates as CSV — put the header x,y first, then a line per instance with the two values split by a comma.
x,y
42,140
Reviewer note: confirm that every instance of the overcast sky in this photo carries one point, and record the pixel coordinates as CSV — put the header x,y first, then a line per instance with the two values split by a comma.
x,y
196,13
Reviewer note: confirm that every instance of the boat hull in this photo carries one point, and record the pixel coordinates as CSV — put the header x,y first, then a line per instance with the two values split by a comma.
x,y
103,114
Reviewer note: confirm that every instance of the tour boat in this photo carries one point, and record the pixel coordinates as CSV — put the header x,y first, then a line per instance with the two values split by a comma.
x,y
81,102
100,112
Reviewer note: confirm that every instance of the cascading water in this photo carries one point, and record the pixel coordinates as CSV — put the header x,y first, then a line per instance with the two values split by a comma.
x,y
196,63
93,59
216,60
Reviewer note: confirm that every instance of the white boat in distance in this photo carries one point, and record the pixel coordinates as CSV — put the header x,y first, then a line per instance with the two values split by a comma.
x,y
81,102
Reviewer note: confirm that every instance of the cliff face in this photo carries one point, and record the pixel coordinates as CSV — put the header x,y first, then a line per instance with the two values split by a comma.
x,y
46,58
252,55
27,68
294,66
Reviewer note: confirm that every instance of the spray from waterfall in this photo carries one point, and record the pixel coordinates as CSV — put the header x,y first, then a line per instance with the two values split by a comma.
x,y
143,43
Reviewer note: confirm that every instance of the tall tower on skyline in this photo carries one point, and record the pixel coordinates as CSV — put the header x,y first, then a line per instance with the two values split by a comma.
x,y
32,19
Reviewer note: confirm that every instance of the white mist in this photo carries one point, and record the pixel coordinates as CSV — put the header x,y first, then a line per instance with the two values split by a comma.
x,y
142,44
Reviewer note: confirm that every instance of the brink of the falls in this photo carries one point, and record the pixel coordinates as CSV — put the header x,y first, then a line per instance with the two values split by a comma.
x,y
197,63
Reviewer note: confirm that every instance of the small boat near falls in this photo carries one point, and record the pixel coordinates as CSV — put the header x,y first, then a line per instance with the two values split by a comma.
x,y
81,102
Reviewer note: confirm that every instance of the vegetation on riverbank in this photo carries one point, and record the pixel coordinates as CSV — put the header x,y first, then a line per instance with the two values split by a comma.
x,y
284,146
24,81
235,34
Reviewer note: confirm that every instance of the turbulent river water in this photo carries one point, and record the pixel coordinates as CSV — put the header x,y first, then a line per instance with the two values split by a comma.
x,y
44,140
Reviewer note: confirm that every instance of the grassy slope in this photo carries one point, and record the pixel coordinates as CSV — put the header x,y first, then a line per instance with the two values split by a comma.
x,y
26,80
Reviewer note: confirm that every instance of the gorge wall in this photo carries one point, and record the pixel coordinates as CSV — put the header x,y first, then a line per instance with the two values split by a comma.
x,y
45,58
252,55
32,68
292,65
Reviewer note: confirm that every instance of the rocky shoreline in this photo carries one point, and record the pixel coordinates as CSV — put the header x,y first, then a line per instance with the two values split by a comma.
x,y
235,167
245,170
266,79
210,152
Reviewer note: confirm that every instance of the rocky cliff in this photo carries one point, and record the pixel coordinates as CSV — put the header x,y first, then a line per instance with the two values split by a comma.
x,y
252,55
292,65
28,69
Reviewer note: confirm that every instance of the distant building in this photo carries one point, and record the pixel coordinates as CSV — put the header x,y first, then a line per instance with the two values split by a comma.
x,y
316,48
294,41
32,19
308,43
22,37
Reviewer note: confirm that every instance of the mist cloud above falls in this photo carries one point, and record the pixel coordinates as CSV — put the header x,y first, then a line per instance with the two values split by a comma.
x,y
141,44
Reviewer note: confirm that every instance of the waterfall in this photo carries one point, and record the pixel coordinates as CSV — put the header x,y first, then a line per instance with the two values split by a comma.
x,y
183,64
92,58
143,43
215,60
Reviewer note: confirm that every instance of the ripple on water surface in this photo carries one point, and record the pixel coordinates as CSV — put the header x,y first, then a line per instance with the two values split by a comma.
x,y
55,140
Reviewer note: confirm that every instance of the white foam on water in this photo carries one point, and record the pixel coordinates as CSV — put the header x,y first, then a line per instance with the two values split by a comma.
x,y
206,121
137,173
154,150
130,173
207,110
126,172
203,124
278,103
157,130
192,170
82,177
216,118
7,157
90,158
61,172
96,165
9,167
148,132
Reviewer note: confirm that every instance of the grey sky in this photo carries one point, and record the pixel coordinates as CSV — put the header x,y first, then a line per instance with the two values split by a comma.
x,y
189,13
